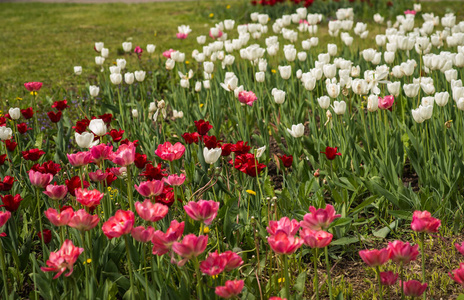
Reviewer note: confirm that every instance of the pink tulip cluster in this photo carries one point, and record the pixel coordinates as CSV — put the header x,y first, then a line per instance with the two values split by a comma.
x,y
81,220
216,263
283,239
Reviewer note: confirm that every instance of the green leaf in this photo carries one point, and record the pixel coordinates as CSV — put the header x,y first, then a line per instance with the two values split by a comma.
x,y
344,241
300,282
401,214
383,232
39,140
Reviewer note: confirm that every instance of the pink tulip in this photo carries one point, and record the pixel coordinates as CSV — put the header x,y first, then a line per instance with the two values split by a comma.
x,y
56,192
83,221
403,252
4,216
203,210
290,227
414,288
33,86
63,259
170,152
175,180
281,243
88,198
422,221
375,258
233,260
458,274
150,188
162,242
151,212
118,171
142,234
80,159
460,248
218,35
40,180
120,224
319,219
388,278
386,102
213,265
98,175
125,155
409,12
247,97
181,36
59,219
315,239
167,53
231,289
101,152
191,246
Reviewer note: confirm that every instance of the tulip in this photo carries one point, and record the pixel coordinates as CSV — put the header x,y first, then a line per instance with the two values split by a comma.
x,y
372,103
5,133
125,155
142,234
339,107
403,252
290,227
151,48
282,243
80,159
191,246
59,219
204,210
315,239
4,216
279,96
129,78
151,212
39,180
422,221
375,258
394,88
78,70
116,78
162,242
98,127
414,288
213,265
98,46
297,130
120,224
231,289
56,192
319,219
63,259
83,221
386,102
247,97
150,189
170,152
460,248
99,60
7,183
211,155
285,72
88,198
324,102
84,140
127,46
441,98
33,86
388,278
94,90
15,113
11,203
105,52
411,90
458,274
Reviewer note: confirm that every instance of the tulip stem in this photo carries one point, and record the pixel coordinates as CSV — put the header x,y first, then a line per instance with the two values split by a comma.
x,y
39,216
380,282
129,262
197,270
129,188
85,266
402,281
316,277
121,112
422,235
287,279
4,275
327,263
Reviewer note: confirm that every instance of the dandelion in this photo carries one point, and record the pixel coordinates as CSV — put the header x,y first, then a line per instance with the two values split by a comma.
x,y
211,15
251,192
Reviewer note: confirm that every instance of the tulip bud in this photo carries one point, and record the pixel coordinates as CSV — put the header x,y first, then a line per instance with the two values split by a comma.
x,y
211,155
177,114
208,67
116,78
94,90
332,49
115,70
139,75
127,46
279,96
121,63
99,46
198,86
260,76
135,113
441,98
324,102
372,103
170,64
105,52
206,84
99,60
297,130
394,88
201,39
339,107
389,57
151,48
129,78
285,72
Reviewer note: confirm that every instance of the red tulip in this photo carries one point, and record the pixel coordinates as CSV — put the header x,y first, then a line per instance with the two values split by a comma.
x,y
116,135
287,160
125,155
213,265
74,183
10,144
39,179
319,219
422,221
98,175
101,152
170,152
6,184
47,235
142,234
162,242
150,189
315,239
2,159
231,289
4,216
54,117
151,212
203,210
331,153
56,192
32,154
22,128
80,159
11,203
106,118
141,160
403,252
202,127
414,288
226,149
191,138
81,125
27,113
118,225
63,259
60,105
83,221
386,102
290,227
211,142
59,219
388,278
281,243
458,274
166,197
47,167
2,121
240,148
375,258
153,173
88,198
191,246
33,86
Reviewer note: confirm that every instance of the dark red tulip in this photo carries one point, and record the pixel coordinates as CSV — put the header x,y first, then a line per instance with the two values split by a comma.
x,y
22,128
203,126
6,184
60,105
226,149
27,113
11,203
106,118
211,142
191,138
153,173
11,144
240,148
287,160
166,197
47,167
75,183
32,154
2,159
116,135
54,117
81,125
247,164
141,160
331,152
47,235
128,142
2,121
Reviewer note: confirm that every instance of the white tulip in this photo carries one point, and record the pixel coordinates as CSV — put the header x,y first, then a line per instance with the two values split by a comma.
x,y
442,98
279,95
416,115
302,56
389,57
329,71
115,70
355,71
297,130
260,76
372,103
177,114
460,103
116,78
185,83
378,18
201,39
129,78
206,84
428,88
451,74
127,46
5,133
229,24
78,70
99,60
290,54
208,67
121,62
411,90
394,88
15,113
139,75
339,107
285,72
170,64
105,52
333,89
324,102
99,46
198,86
135,113
260,151
85,139
211,155
94,90
98,127
427,101
151,48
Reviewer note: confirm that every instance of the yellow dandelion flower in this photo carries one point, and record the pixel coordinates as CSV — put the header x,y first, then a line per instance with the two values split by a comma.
x,y
154,33
187,62
211,15
206,230
280,280
34,93
251,192
228,6
273,71
19,98
89,260
115,63
201,105
214,276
